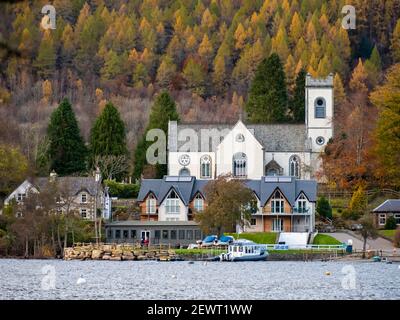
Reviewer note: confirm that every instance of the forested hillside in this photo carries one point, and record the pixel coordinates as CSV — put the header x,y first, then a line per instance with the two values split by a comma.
x,y
204,52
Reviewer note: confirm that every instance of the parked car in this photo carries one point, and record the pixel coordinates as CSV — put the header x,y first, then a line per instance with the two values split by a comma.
x,y
208,241
225,240
356,227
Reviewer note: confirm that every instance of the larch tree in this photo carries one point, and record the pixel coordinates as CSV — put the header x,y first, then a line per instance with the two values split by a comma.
x,y
387,99
46,58
395,43
67,151
268,100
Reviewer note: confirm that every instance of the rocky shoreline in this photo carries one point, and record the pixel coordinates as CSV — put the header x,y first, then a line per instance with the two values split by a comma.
x,y
118,252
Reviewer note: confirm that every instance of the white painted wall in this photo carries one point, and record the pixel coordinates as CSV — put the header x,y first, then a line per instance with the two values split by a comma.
x,y
24,187
163,215
251,147
194,167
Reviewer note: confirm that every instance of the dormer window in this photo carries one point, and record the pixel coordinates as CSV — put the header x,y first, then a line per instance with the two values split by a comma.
x,y
172,204
320,108
151,204
83,198
277,202
21,197
198,203
302,204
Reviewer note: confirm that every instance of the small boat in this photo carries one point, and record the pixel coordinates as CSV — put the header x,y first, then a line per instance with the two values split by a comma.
x,y
245,251
376,258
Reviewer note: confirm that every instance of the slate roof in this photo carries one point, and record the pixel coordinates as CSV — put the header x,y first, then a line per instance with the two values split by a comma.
x,y
390,205
75,184
289,186
273,137
151,223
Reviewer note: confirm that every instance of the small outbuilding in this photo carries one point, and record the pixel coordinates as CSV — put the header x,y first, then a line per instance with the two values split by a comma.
x,y
389,208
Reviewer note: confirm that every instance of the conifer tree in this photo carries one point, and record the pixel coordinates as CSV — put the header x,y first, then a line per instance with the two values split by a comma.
x,y
67,152
107,136
297,103
395,43
267,102
46,58
162,111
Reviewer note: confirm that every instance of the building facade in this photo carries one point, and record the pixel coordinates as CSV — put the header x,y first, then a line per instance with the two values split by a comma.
x,y
81,195
389,208
250,151
284,204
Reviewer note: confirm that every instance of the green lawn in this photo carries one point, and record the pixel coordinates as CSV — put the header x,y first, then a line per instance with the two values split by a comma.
x,y
325,239
257,237
388,233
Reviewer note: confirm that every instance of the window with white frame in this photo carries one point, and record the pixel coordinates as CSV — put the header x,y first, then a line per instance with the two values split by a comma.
x,y
198,203
151,204
253,221
320,106
277,202
382,219
172,203
84,213
302,204
294,166
397,218
240,165
205,167
21,197
83,198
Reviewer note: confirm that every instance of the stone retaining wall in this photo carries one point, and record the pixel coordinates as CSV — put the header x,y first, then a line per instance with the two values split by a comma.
x,y
117,252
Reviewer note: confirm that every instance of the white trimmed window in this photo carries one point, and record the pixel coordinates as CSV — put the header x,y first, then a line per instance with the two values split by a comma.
x,y
83,198
205,167
151,204
302,204
240,165
382,219
294,166
21,197
397,218
277,202
198,203
84,213
172,203
320,106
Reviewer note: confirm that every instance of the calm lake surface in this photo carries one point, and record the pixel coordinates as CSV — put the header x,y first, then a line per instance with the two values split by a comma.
x,y
57,279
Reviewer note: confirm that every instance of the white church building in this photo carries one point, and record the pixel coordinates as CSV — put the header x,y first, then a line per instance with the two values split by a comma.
x,y
251,151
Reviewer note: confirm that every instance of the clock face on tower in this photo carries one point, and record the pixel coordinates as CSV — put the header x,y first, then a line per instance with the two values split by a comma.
x,y
184,160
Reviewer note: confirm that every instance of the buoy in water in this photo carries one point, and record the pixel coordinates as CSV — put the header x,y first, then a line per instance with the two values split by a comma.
x,y
327,273
173,276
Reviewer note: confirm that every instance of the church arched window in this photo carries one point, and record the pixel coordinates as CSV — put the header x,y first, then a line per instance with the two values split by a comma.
x,y
184,172
205,167
320,108
294,166
240,165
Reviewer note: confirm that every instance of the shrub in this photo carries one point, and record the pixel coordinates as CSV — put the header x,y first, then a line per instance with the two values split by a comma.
x,y
350,215
397,238
324,209
122,190
391,223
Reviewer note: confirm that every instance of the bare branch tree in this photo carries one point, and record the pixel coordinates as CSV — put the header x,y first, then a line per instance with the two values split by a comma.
x,y
111,166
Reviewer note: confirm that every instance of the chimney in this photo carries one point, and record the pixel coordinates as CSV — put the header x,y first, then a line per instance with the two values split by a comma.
x,y
53,176
97,175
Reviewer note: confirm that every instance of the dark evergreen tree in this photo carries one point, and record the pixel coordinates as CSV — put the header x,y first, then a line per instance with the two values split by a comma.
x,y
107,136
162,111
324,209
67,151
297,102
268,100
